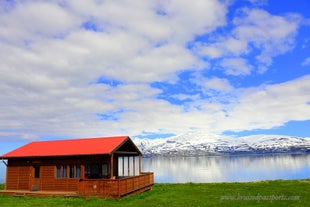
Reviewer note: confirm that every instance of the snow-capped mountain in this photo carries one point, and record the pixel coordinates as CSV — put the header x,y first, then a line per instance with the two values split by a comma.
x,y
193,143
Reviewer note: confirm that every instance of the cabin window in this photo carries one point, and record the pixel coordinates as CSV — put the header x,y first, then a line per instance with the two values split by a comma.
x,y
78,171
92,171
96,170
71,172
37,172
64,171
58,171
128,166
74,171
61,171
105,170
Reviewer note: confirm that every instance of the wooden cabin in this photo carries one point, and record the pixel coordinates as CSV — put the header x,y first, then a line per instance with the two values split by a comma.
x,y
103,167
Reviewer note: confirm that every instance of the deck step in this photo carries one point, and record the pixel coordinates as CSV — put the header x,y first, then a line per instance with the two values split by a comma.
x,y
70,195
19,194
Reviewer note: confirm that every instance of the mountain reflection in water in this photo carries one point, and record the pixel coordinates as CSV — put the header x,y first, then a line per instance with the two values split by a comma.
x,y
227,168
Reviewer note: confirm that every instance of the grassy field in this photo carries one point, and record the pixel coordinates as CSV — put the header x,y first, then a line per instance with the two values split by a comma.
x,y
264,193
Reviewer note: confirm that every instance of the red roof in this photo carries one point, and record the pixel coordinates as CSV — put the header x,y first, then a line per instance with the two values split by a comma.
x,y
88,146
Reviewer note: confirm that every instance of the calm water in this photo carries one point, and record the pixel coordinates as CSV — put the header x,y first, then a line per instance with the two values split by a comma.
x,y
228,168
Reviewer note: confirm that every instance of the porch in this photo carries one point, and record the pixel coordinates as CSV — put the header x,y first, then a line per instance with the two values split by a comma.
x,y
116,188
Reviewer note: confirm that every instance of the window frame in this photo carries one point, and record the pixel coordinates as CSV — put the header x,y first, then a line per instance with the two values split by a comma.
x,y
70,171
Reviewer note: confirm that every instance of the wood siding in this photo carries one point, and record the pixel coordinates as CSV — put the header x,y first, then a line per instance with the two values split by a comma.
x,y
21,178
49,182
18,177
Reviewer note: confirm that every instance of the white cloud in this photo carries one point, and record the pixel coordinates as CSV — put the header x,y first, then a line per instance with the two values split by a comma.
x,y
236,66
225,47
160,62
254,32
135,44
306,62
211,51
158,21
218,84
269,106
49,64
273,35
31,20
259,2
46,78
16,136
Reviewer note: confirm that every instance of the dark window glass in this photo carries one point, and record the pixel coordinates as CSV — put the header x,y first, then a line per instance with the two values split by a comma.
x,y
93,171
105,170
71,174
64,171
37,172
58,171
78,171
87,171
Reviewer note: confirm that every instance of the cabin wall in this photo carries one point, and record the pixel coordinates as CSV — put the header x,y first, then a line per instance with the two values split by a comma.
x,y
17,177
49,182
21,173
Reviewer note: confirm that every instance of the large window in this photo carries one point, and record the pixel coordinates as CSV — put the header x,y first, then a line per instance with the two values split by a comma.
x,y
95,170
105,170
128,166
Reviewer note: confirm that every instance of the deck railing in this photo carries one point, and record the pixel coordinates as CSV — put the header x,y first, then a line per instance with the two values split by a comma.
x,y
115,188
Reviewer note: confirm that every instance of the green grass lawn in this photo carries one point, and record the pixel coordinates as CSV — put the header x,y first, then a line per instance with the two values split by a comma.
x,y
264,193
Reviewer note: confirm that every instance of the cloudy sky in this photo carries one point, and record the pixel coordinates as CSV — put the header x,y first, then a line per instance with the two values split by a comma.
x,y
153,68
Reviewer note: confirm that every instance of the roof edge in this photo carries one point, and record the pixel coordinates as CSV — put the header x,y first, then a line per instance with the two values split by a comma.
x,y
12,155
127,139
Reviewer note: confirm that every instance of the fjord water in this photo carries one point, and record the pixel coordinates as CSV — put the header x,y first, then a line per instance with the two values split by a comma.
x,y
227,168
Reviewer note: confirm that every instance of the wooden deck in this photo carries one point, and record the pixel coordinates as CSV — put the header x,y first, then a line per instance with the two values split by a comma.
x,y
116,188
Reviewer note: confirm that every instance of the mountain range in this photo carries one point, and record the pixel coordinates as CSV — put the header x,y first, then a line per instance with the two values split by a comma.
x,y
201,143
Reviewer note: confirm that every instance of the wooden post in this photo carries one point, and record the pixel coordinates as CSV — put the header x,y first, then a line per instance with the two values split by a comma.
x,y
140,164
123,163
82,171
134,166
128,166
112,166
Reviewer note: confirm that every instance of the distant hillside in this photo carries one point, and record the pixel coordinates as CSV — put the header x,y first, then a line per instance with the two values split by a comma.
x,y
199,143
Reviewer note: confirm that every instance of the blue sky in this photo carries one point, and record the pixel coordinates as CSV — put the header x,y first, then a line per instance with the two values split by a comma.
x,y
153,69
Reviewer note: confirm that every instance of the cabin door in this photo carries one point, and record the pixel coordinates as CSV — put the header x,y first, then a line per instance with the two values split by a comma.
x,y
35,178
